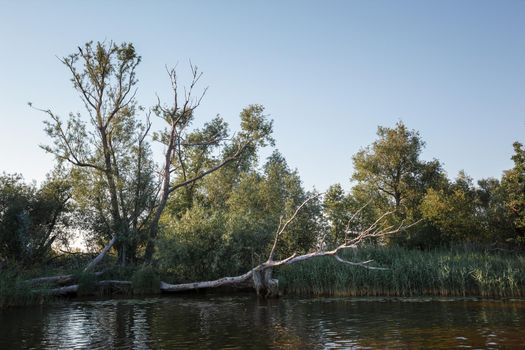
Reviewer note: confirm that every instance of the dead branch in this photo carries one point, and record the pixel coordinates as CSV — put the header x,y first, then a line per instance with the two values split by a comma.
x,y
261,274
74,288
59,280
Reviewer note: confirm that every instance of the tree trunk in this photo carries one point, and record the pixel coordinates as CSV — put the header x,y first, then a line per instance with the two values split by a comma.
x,y
225,281
101,256
59,280
73,289
264,284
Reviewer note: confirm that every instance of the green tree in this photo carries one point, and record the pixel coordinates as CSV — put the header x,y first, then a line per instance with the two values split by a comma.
x,y
230,224
337,208
465,213
112,168
391,175
454,211
391,165
192,154
31,219
513,182
113,172
497,219
283,192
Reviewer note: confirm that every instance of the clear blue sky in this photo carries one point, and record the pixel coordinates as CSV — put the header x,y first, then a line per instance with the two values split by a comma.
x,y
328,72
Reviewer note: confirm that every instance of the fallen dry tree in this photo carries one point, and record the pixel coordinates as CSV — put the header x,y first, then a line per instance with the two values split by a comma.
x,y
63,285
260,277
113,285
58,280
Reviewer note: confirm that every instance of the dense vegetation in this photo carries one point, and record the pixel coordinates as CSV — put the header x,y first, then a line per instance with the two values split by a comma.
x,y
211,207
412,272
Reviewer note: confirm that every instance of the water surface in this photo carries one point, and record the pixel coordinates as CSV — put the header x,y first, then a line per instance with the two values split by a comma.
x,y
245,322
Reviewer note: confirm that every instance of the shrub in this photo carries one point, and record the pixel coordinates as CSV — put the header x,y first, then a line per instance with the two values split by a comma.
x,y
13,292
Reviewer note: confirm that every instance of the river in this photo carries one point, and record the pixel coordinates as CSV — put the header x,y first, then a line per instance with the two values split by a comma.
x,y
218,321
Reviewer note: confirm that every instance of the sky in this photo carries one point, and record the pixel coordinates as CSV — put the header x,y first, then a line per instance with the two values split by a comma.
x,y
327,72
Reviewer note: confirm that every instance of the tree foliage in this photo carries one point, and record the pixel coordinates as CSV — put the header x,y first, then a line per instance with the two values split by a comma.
x,y
514,184
208,207
392,166
454,210
392,177
106,145
109,152
31,218
230,224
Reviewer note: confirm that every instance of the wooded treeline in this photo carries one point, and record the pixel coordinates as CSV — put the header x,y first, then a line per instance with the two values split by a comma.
x,y
211,207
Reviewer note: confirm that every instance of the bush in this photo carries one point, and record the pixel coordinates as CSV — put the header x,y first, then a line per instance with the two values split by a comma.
x,y
31,218
13,292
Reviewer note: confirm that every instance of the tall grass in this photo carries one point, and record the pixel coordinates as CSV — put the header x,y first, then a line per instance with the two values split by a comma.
x,y
410,273
14,292
146,281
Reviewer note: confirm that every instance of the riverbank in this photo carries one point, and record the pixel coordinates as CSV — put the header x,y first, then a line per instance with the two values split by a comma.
x,y
20,287
410,273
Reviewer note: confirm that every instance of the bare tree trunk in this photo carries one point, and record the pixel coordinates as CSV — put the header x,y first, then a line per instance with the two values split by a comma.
x,y
101,256
60,280
261,276
264,284
73,289
225,281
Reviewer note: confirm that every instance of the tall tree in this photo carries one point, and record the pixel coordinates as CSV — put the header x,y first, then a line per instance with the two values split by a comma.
x,y
107,145
31,219
513,182
109,151
391,165
391,176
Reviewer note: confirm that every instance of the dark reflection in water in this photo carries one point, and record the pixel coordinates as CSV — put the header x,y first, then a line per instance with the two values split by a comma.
x,y
245,322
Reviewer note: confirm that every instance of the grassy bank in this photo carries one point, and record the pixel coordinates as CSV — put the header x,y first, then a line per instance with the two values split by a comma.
x,y
411,273
15,290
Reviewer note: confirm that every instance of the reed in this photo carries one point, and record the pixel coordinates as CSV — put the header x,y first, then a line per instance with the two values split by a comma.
x,y
410,273
146,280
14,292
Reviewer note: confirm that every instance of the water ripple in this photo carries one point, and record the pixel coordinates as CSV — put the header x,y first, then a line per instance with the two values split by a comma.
x,y
240,322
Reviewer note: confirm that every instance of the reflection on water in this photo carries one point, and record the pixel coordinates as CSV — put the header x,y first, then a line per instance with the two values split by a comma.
x,y
243,321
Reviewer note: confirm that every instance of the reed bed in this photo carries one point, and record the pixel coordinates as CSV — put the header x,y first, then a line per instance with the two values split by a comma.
x,y
13,292
410,273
